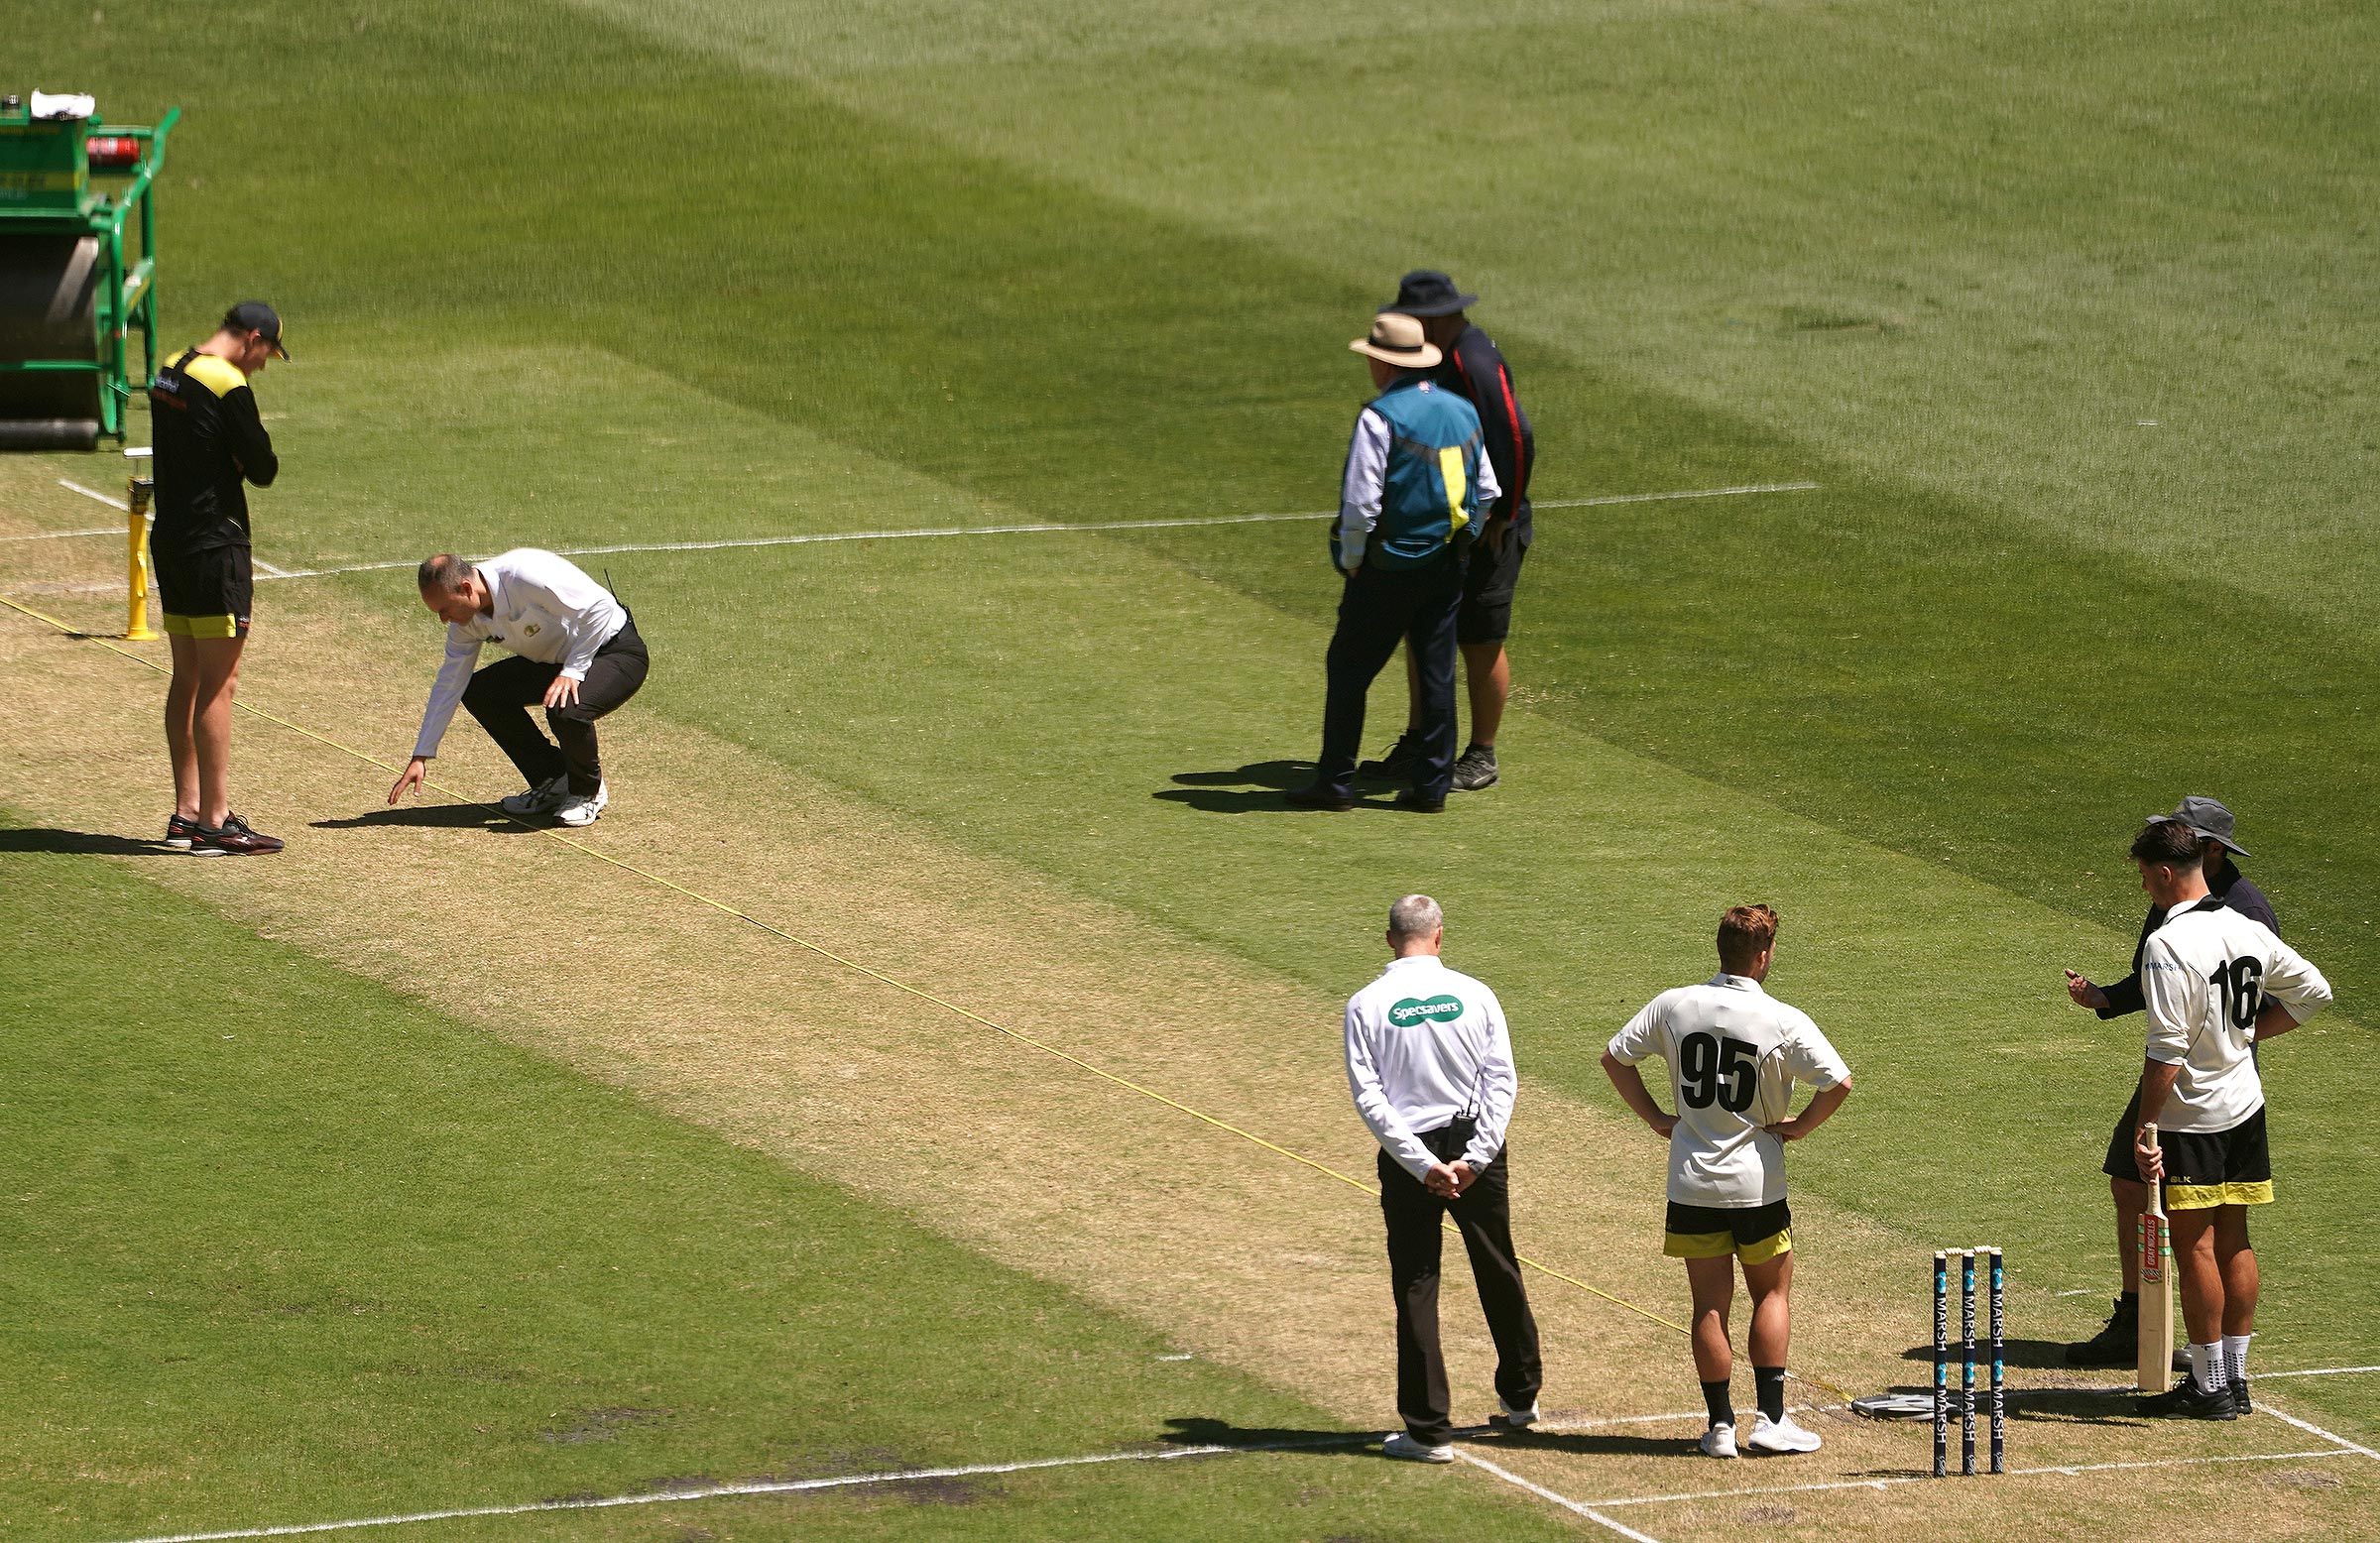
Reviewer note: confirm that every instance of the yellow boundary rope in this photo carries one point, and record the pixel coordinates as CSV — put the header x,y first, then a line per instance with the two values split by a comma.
x,y
854,965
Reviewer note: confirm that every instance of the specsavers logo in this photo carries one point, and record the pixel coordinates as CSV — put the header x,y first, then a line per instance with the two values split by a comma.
x,y
1433,1009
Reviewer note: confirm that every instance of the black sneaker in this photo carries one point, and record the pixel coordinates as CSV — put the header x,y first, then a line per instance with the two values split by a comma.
x,y
1397,763
1474,768
179,832
1316,797
1412,799
235,839
2186,1401
2237,1387
2117,1345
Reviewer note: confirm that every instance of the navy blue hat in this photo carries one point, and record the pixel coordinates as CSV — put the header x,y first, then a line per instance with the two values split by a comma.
x,y
1425,292
256,316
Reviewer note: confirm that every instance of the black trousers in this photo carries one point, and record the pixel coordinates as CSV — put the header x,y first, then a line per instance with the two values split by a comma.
x,y
1380,608
1483,1216
501,695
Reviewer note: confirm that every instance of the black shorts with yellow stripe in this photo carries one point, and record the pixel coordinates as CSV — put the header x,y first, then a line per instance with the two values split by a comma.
x,y
206,594
2204,1170
1754,1234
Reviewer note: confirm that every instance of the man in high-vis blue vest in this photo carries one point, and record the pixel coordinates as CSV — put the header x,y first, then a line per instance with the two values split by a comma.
x,y
1416,480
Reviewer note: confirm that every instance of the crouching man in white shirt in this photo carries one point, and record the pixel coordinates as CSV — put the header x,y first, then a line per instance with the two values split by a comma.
x,y
1430,1065
1735,1053
575,650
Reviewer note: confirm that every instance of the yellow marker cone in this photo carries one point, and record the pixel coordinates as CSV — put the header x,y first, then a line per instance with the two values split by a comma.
x,y
135,501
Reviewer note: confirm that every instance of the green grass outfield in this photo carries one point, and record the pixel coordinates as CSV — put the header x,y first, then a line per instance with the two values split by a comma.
x,y
2068,318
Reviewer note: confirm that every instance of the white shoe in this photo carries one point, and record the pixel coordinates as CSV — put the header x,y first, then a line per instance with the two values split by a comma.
x,y
1781,1436
585,811
1518,1419
1403,1446
544,798
1719,1442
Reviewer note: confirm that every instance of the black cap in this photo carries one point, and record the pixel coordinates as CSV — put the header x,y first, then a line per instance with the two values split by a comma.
x,y
256,316
1425,292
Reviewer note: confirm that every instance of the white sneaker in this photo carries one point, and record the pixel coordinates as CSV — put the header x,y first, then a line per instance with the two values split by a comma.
x,y
1405,1447
544,798
1781,1436
1719,1442
1518,1419
585,811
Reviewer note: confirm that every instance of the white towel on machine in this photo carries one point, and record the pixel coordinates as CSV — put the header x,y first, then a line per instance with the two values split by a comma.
x,y
70,105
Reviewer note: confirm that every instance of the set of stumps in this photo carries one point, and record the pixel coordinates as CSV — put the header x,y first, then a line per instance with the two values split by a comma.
x,y
1962,1407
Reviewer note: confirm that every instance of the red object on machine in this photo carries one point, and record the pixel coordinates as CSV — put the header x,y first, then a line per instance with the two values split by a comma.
x,y
113,150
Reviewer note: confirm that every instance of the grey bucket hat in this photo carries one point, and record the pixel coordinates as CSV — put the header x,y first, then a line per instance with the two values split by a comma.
x,y
2209,819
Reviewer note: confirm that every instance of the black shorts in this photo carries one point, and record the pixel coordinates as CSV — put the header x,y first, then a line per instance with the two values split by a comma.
x,y
1756,1234
1489,579
206,594
2231,1167
2121,1163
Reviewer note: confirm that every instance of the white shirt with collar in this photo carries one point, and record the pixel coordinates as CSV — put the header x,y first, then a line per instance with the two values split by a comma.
x,y
1426,1044
2204,975
1735,1053
542,608
1366,476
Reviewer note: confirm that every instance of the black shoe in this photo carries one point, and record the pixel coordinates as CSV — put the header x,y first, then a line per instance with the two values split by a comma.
x,y
1314,796
235,839
1474,768
2186,1401
2237,1387
179,832
1397,763
1412,799
2117,1345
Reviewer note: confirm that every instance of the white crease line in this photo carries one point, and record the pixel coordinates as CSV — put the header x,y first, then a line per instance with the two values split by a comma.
x,y
77,487
2312,1429
2070,1471
2311,1371
1563,1500
266,569
773,1487
1051,528
60,536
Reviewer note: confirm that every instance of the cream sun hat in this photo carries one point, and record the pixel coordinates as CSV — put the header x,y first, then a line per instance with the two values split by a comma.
x,y
1397,339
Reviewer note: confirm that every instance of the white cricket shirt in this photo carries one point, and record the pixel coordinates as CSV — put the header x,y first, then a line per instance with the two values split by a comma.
x,y
1424,1045
2205,974
1735,1053
545,608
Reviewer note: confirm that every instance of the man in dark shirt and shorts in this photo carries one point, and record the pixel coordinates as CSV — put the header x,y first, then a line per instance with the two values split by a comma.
x,y
2116,1344
209,442
1474,369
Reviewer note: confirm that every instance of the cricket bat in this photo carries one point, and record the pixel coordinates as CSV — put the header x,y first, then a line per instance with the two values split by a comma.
x,y
2156,1359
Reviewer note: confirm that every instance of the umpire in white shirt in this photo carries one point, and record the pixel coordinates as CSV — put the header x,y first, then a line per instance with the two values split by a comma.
x,y
1430,1065
575,650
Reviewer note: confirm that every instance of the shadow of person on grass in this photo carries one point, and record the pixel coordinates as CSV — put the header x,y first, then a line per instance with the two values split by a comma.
x,y
1255,788
2066,1405
1198,1430
2036,1354
79,843
430,816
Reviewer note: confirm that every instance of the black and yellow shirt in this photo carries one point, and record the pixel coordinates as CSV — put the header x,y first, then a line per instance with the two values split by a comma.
x,y
208,440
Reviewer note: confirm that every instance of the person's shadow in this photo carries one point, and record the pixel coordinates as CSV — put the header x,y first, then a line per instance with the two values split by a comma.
x,y
432,816
1255,788
1196,1430
79,843
2038,1354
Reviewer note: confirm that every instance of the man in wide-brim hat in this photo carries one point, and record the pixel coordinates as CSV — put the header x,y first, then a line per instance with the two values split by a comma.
x,y
1416,479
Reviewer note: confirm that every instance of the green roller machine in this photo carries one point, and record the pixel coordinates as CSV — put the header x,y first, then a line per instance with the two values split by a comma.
x,y
78,269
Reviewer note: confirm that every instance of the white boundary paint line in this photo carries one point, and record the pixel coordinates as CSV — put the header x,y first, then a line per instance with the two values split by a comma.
x,y
112,503
1563,1500
60,536
2067,1469
1049,528
729,1492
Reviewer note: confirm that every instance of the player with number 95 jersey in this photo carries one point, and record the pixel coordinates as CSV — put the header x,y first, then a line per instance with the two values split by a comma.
x,y
1735,1054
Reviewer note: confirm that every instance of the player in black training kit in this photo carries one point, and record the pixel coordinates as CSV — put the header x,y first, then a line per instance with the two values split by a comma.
x,y
1474,368
209,443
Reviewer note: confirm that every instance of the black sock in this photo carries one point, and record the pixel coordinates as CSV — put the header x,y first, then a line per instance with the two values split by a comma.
x,y
1715,1398
1769,1384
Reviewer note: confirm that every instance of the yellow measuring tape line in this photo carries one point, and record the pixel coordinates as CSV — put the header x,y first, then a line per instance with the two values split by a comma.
x,y
919,993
